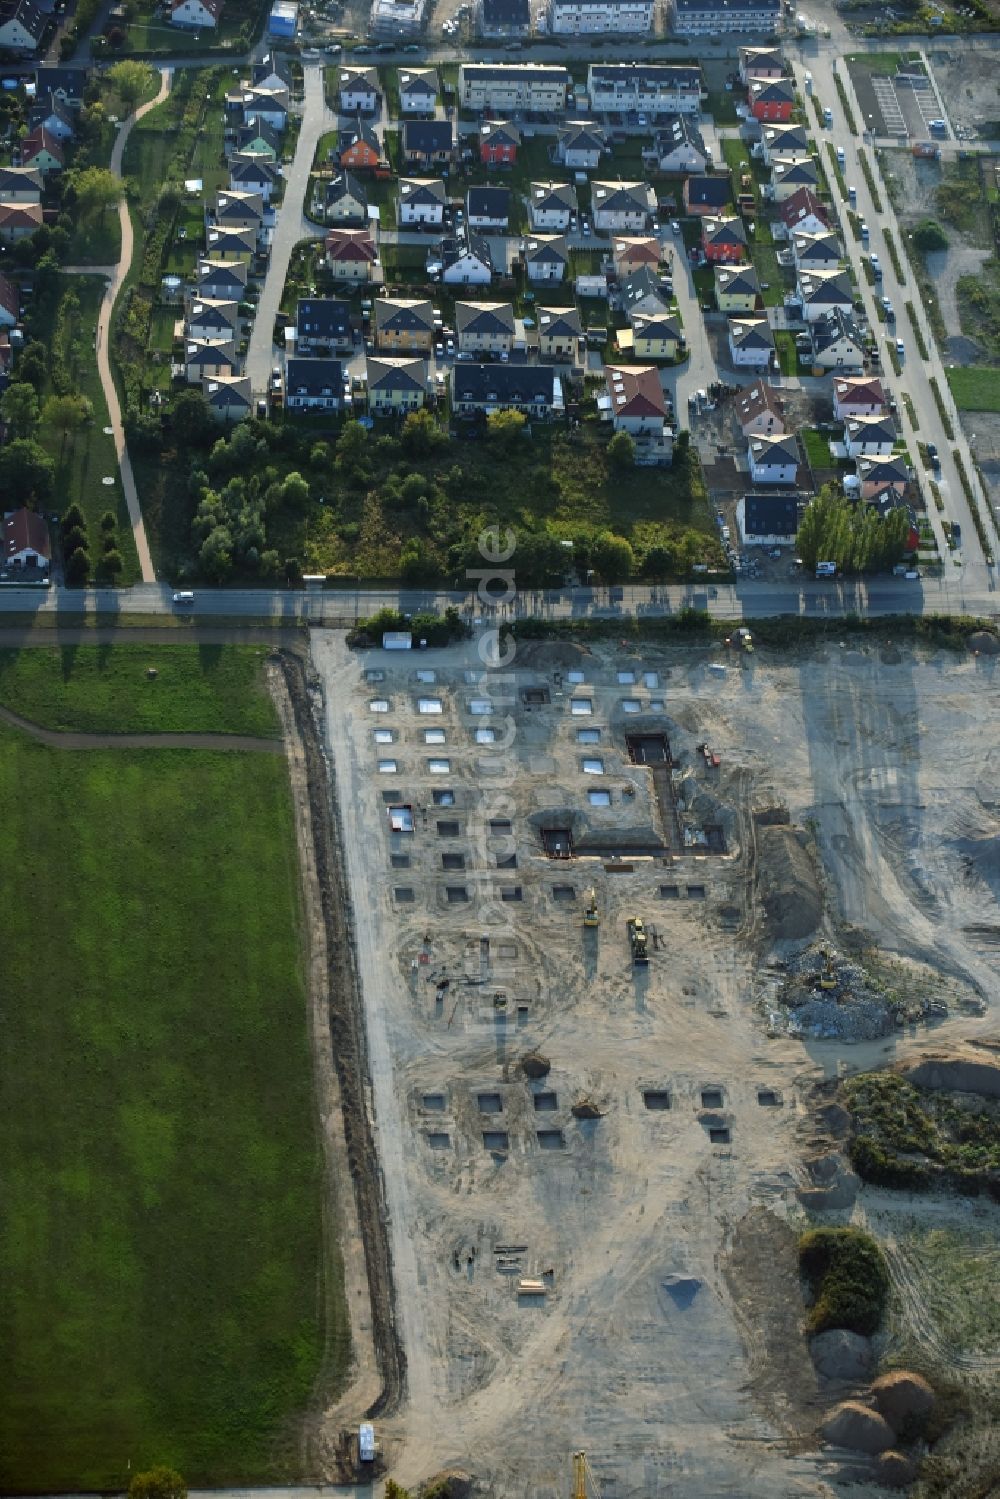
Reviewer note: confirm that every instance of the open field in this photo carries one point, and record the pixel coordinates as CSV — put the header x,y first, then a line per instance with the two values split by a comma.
x,y
169,1295
597,1249
211,689
975,387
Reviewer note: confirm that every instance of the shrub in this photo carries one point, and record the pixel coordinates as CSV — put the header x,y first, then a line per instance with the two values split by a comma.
x,y
848,1277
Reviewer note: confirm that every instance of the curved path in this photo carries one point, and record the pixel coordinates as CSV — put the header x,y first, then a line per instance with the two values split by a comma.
x,y
116,276
57,739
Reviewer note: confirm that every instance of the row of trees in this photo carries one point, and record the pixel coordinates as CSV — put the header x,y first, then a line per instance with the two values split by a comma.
x,y
852,535
78,563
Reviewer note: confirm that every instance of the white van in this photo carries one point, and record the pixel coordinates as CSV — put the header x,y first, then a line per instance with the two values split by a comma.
x,y
184,598
826,569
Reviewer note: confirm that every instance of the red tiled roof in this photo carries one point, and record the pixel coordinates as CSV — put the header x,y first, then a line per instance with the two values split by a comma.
x,y
24,530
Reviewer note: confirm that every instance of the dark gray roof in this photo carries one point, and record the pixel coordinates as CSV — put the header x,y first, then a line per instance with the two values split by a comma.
x,y
68,81
314,377
832,326
508,14
343,185
559,322
428,136
241,172
323,318
638,285
505,384
708,192
418,83
421,192
473,317
781,448
272,64
488,202
770,515
259,130
725,7
29,15
469,244
647,76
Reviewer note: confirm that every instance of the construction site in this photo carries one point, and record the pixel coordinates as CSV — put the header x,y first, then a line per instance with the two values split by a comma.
x,y
616,913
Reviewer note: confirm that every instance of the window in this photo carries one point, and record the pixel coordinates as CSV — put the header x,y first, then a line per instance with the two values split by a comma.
x,y
434,736
439,767
444,798
387,767
631,705
429,705
588,736
581,707
480,706
485,736
384,736
599,798
626,678
593,767
379,705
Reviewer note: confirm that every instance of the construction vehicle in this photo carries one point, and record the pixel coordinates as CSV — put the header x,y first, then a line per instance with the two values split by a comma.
x,y
827,979
585,1485
638,940
590,916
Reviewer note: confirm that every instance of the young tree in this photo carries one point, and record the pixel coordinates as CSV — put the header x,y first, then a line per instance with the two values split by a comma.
x,y
621,451
506,427
73,519
157,1483
421,434
110,565
78,566
613,557
193,422
128,81
94,190
26,472
19,408
32,366
66,415
109,522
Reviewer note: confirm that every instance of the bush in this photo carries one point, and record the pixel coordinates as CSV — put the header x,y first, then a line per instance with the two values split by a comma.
x,y
78,566
876,1165
928,236
848,1277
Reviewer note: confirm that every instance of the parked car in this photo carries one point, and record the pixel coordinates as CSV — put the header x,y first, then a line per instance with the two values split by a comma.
x,y
900,348
956,533
841,158
828,117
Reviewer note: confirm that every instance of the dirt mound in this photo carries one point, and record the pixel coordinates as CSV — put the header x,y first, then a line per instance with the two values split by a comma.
x,y
451,1484
551,655
585,1109
903,1397
853,1425
835,1119
894,1470
840,1354
984,643
789,889
955,1072
534,1065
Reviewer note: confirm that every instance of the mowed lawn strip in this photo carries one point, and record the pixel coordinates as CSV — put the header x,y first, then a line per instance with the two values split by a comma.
x,y
197,689
976,387
160,1243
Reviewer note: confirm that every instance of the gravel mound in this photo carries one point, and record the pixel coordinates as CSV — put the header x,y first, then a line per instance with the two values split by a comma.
x,y
955,1072
793,901
853,1425
903,1397
451,1484
895,1471
840,1354
535,1065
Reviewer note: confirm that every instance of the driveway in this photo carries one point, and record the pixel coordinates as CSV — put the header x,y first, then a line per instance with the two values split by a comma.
x,y
291,227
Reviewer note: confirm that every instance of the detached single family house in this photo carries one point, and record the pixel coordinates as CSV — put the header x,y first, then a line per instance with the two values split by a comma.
x,y
790,176
421,201
736,288
359,91
359,149
228,397
498,143
622,207
488,208
751,343
560,331
20,185
837,341
774,460
345,201
656,336
869,436
206,358
802,212
19,221
821,292
768,520
396,385
760,412
546,257
466,260
638,405
484,327
857,396
418,91
816,251
550,205
322,323
428,143
706,195
679,147
351,254
26,544
723,239
404,325
580,146
771,98
200,15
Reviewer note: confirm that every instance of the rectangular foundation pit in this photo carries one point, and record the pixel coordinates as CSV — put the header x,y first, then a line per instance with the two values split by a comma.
x,y
648,749
657,1100
489,1103
545,1103
496,1139
550,1139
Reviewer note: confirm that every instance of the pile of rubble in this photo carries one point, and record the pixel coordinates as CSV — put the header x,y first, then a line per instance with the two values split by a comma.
x,y
827,996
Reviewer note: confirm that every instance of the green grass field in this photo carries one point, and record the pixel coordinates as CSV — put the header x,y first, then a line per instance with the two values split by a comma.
x,y
976,387
209,689
160,1244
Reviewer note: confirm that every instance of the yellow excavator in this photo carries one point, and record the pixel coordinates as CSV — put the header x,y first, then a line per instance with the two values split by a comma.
x,y
827,979
590,916
637,937
585,1485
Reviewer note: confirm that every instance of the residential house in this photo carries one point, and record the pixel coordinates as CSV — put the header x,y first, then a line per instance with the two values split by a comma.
x,y
484,327
789,176
821,292
631,252
208,358
893,497
20,185
404,325
198,15
209,318
595,17
869,436
679,147
498,143
65,84
26,544
656,335
816,251
345,201
723,239
418,91
221,280
641,293
257,138
710,17
774,459
771,99
421,201
761,62
760,412
10,302
802,213
702,195
19,221
550,205
534,389
509,19
57,117
837,342
751,343
428,143
396,385
272,72
314,384
22,26
231,244
580,146
767,520
736,288
351,254
791,141
546,257
236,210
358,91
508,88
251,174
360,149
42,152
228,397
488,208
560,332
322,323
638,405
878,474
267,104
466,260
622,207
644,88
857,396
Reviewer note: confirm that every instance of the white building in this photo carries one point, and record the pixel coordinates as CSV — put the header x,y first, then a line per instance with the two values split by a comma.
x,y
590,17
647,88
774,460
